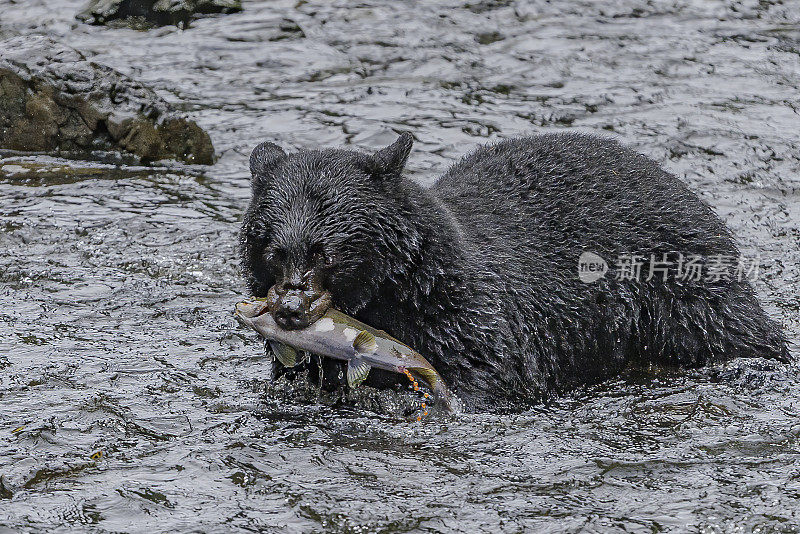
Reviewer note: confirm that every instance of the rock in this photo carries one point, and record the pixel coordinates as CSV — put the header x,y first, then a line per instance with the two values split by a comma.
x,y
52,99
154,12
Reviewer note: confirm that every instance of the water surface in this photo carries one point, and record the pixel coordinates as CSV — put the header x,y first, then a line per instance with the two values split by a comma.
x,y
131,401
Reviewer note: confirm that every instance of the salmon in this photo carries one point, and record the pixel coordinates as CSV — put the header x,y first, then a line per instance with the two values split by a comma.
x,y
339,336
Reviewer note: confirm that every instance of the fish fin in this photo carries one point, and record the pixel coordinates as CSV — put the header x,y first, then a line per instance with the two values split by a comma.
x,y
365,343
429,376
285,354
357,371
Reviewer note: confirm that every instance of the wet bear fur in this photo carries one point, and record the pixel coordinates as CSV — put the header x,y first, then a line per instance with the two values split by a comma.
x,y
479,272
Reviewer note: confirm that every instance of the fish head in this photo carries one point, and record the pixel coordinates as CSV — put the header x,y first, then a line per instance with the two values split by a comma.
x,y
315,232
250,309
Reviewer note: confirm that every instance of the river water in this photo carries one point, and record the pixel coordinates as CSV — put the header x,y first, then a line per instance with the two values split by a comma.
x,y
131,401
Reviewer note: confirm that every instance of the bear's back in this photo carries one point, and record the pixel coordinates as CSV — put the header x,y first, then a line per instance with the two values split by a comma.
x,y
538,202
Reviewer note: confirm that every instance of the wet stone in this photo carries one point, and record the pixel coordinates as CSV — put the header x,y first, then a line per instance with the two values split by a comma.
x,y
143,13
53,99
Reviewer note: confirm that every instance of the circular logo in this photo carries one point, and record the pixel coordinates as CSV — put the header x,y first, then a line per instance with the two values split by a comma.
x,y
591,267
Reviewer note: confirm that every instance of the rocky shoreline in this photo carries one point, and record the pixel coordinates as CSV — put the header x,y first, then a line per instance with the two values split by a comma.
x,y
55,100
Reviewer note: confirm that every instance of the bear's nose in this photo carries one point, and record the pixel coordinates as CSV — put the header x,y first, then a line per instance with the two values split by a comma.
x,y
291,312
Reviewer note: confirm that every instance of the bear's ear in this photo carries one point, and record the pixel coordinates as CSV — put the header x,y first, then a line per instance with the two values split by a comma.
x,y
264,159
389,161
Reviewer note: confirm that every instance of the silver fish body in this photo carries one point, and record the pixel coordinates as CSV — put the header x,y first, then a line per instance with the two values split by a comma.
x,y
342,337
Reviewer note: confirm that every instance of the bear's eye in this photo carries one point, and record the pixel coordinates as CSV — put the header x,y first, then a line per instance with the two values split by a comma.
x,y
319,257
258,233
274,257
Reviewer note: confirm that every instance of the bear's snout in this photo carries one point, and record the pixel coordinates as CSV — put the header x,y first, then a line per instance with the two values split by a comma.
x,y
291,310
295,308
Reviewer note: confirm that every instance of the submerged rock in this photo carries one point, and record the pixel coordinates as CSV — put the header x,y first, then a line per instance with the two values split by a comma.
x,y
154,12
53,99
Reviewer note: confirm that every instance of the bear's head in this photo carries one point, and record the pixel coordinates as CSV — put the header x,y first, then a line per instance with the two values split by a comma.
x,y
324,227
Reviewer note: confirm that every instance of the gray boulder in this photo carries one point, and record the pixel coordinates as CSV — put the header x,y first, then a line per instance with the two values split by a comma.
x,y
52,99
154,12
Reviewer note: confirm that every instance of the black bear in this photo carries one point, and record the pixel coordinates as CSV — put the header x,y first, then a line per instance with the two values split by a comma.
x,y
480,272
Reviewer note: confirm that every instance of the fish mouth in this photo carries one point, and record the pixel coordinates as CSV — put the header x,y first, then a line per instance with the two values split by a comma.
x,y
250,309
